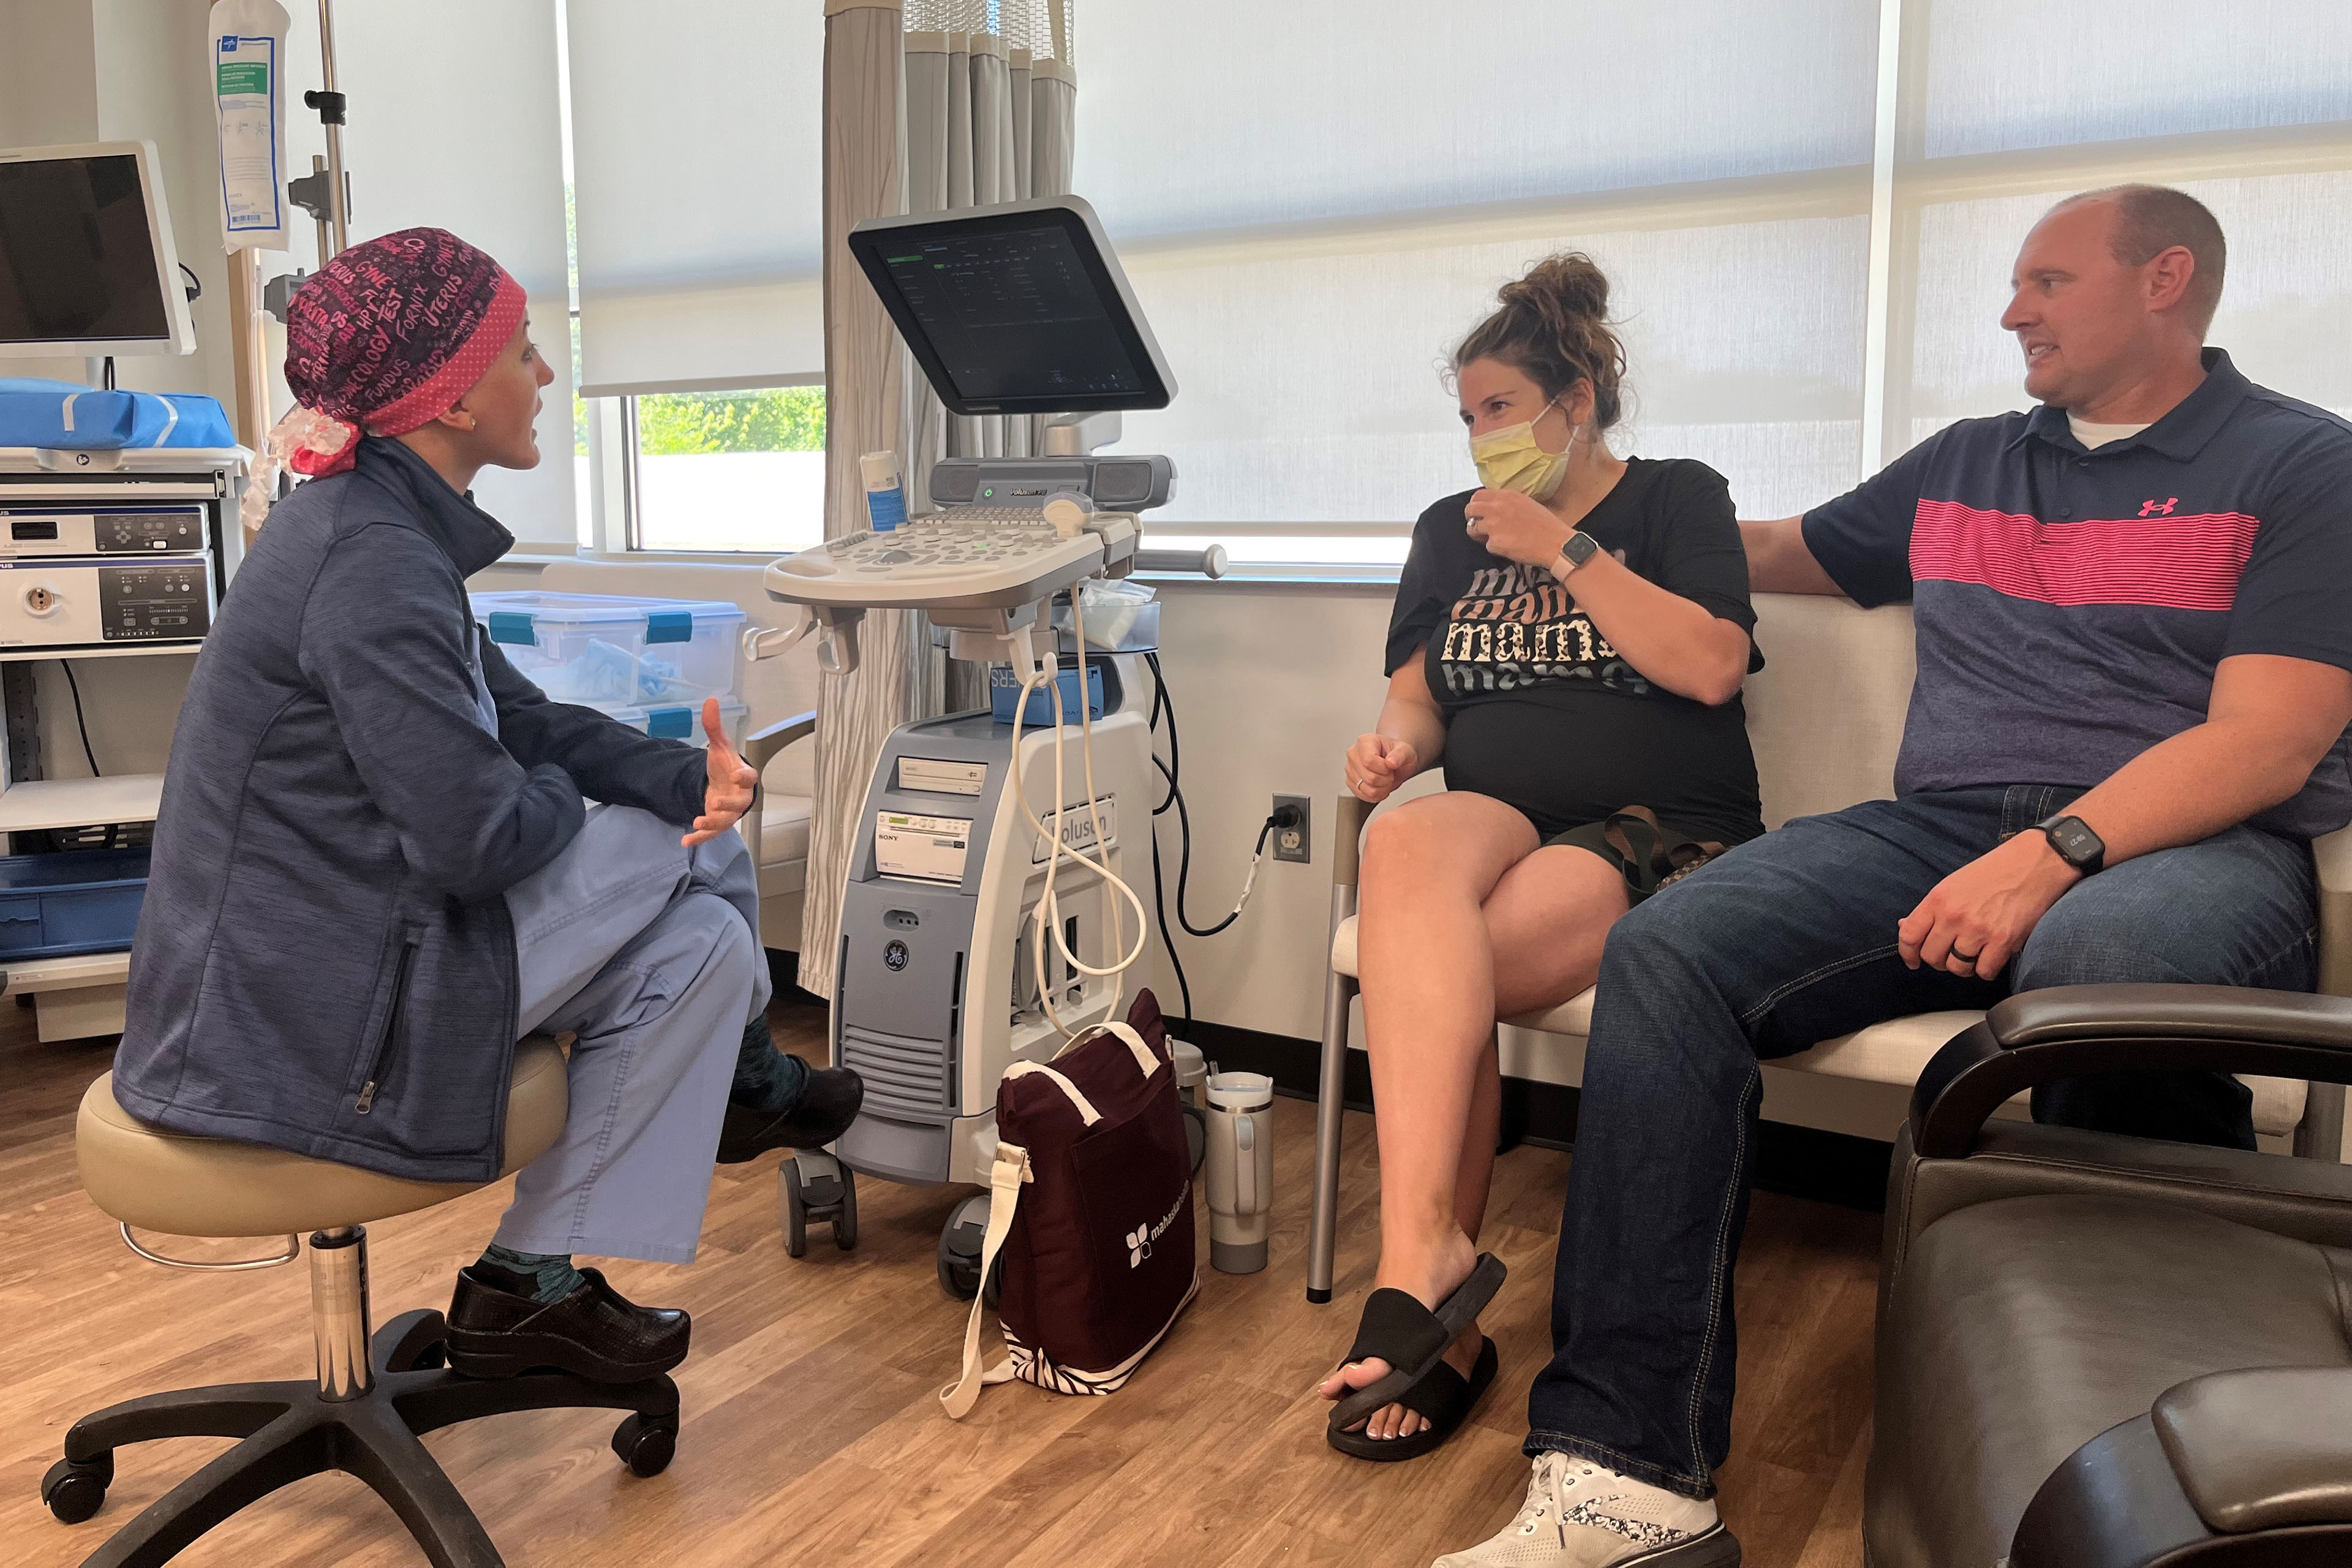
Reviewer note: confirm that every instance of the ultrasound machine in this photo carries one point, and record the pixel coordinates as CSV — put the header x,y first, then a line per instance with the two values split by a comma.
x,y
990,915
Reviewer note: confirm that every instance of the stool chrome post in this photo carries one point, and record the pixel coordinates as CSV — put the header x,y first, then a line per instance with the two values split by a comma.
x,y
339,1310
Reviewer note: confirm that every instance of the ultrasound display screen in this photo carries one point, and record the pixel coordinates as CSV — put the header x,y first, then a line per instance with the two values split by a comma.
x,y
77,262
1015,313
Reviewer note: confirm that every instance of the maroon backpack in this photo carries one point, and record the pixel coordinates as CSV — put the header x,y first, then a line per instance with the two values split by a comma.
x,y
1090,1205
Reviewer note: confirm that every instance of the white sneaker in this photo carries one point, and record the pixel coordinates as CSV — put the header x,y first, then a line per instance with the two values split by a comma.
x,y
1579,1515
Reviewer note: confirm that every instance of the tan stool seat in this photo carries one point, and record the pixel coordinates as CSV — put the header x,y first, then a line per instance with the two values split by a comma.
x,y
184,1186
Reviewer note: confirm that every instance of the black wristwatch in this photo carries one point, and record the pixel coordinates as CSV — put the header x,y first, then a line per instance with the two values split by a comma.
x,y
2076,845
1580,548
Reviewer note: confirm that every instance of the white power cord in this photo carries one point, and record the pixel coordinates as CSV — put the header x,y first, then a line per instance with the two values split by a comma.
x,y
1048,910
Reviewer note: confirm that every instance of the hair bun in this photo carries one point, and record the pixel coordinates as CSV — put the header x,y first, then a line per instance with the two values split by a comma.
x,y
1568,286
1553,324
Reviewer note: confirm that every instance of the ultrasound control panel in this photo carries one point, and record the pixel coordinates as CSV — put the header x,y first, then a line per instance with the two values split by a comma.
x,y
953,561
165,529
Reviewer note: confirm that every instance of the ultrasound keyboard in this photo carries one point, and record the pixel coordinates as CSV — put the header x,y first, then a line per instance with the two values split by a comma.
x,y
970,558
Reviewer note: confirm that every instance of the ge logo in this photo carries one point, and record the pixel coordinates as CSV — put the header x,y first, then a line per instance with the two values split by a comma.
x,y
894,957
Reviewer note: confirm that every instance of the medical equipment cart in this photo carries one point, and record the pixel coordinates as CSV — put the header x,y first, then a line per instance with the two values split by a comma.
x,y
103,555
990,915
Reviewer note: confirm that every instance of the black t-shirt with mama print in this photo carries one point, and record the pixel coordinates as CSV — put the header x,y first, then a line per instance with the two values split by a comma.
x,y
1540,712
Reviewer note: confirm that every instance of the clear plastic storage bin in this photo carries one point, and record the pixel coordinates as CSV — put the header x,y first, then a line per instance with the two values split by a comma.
x,y
683,722
616,650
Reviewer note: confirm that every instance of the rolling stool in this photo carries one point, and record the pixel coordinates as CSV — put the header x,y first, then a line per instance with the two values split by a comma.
x,y
372,1397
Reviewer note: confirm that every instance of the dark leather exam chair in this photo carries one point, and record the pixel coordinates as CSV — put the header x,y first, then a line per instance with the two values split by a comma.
x,y
2100,1352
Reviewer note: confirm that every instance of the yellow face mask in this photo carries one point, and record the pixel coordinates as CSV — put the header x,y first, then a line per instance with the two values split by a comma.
x,y
1511,460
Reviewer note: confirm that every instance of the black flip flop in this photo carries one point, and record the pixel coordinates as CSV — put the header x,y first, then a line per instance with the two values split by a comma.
x,y
1411,1338
1443,1399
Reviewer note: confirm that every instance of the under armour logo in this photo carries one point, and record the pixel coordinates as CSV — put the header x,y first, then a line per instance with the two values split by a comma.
x,y
2158,507
1139,1245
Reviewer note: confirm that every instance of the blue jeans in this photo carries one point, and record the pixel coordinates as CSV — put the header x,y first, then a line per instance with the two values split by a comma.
x,y
1789,941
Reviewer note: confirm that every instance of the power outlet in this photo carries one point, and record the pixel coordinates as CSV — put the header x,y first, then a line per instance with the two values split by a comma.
x,y
1296,844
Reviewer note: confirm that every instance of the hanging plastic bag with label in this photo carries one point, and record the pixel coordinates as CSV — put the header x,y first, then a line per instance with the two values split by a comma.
x,y
248,63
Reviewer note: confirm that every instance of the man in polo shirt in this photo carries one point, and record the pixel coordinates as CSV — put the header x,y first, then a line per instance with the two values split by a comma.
x,y
2133,612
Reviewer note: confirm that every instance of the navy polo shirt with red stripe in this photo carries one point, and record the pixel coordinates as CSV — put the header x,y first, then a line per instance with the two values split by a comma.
x,y
2071,605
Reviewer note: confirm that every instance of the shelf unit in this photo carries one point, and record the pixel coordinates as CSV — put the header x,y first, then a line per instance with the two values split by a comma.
x,y
27,655
77,803
82,995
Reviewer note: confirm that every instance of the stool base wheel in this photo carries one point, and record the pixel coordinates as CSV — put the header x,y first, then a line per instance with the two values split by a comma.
x,y
647,1443
74,1491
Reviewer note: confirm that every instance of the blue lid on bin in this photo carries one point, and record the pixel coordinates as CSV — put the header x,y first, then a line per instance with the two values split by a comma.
x,y
594,609
669,723
512,626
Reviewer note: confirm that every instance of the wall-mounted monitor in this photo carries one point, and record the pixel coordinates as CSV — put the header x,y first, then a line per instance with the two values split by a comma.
x,y
87,264
1016,309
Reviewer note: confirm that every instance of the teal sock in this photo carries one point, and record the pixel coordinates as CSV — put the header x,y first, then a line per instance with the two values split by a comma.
x,y
765,1079
544,1276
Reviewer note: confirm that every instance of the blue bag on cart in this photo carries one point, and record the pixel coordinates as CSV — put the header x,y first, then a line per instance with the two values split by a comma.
x,y
67,415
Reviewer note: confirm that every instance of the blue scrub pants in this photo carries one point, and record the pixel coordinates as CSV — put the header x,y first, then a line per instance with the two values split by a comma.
x,y
648,953
1790,940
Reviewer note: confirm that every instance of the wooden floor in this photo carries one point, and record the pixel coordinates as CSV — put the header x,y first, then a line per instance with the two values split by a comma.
x,y
811,1432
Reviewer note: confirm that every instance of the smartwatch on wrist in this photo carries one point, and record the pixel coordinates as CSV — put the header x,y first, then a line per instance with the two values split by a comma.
x,y
1580,548
2076,845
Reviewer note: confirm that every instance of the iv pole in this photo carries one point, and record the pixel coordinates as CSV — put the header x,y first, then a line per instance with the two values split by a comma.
x,y
330,104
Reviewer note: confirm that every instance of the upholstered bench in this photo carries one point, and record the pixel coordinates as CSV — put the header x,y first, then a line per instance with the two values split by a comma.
x,y
1825,717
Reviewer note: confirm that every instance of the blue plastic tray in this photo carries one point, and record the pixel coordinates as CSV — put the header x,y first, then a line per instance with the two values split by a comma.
x,y
75,900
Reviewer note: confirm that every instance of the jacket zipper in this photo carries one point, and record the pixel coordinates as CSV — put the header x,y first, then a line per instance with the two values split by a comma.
x,y
382,1067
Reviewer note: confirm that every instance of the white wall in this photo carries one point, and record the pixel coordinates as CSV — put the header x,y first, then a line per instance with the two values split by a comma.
x,y
132,706
47,73
48,94
150,82
1270,683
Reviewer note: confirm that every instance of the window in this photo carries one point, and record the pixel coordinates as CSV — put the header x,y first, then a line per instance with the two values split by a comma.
x,y
728,470
697,163
1808,281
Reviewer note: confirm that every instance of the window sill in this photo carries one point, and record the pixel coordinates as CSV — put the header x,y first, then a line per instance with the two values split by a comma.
x,y
1382,579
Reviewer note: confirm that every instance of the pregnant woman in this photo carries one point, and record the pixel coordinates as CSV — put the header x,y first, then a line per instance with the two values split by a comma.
x,y
1570,641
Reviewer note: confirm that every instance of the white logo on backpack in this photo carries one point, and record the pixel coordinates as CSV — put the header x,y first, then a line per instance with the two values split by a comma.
x,y
1139,1244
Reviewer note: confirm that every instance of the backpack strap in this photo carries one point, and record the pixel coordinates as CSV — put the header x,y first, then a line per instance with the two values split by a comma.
x,y
1088,1114
1004,1179
1147,1060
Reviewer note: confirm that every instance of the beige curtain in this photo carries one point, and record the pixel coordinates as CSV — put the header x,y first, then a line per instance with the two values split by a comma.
x,y
990,117
865,411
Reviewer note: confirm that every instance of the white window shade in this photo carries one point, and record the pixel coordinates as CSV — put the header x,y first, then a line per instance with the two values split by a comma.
x,y
2005,74
1224,114
1317,203
470,140
1313,375
696,168
2287,300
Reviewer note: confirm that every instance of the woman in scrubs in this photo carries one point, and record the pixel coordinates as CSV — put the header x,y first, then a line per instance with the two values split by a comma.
x,y
377,864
